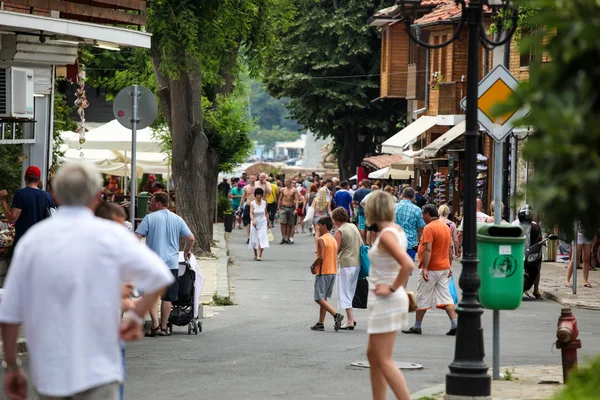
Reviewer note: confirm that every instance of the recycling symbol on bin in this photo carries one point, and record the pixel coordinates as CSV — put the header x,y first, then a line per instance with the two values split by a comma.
x,y
504,266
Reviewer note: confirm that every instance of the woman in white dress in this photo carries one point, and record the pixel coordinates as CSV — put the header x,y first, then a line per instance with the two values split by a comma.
x,y
388,302
259,239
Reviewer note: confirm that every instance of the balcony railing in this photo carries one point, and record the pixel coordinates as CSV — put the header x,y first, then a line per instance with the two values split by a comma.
x,y
450,96
113,12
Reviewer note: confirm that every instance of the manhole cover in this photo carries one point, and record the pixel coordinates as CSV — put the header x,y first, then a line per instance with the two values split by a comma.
x,y
400,364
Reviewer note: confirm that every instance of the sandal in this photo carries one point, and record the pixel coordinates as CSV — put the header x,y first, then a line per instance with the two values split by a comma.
x,y
587,285
164,332
152,332
537,295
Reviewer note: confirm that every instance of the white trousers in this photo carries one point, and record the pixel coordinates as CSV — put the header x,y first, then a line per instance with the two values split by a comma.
x,y
348,277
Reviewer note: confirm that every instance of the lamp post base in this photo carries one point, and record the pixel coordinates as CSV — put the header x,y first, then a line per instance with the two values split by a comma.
x,y
469,386
454,397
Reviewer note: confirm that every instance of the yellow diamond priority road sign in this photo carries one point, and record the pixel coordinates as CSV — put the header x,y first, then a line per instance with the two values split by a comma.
x,y
495,88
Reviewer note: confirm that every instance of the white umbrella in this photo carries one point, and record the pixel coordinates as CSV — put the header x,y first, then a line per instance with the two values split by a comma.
x,y
114,136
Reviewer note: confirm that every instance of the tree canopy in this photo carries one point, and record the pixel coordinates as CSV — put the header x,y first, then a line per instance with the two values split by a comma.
x,y
564,103
328,64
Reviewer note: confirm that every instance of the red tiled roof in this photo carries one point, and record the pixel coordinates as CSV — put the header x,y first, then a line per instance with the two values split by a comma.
x,y
386,12
382,161
391,12
447,11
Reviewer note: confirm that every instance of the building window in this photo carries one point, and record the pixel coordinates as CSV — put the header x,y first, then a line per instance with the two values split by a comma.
x,y
526,58
436,55
384,50
444,64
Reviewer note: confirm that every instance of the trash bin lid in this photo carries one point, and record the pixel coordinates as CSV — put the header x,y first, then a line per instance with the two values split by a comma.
x,y
503,232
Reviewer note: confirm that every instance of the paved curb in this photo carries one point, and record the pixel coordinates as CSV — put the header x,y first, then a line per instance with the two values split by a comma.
x,y
568,302
429,392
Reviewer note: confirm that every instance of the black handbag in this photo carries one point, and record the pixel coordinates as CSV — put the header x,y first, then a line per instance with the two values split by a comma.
x,y
361,295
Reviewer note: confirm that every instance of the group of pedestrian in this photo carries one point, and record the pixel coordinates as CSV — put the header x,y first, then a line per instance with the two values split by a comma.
x,y
79,271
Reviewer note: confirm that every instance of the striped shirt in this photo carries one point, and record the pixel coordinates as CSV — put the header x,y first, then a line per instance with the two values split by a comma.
x,y
409,217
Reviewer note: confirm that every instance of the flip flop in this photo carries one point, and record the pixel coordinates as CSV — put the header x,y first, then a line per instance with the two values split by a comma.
x,y
568,285
587,285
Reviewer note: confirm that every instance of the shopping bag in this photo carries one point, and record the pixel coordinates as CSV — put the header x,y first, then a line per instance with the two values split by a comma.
x,y
270,236
452,288
365,263
310,215
361,295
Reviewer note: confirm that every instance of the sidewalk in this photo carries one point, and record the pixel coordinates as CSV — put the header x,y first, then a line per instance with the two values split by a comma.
x,y
552,284
525,383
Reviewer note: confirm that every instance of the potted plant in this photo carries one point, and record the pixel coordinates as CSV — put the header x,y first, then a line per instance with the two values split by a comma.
x,y
225,211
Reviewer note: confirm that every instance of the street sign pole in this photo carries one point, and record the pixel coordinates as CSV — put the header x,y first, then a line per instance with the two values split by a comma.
x,y
134,121
498,150
135,107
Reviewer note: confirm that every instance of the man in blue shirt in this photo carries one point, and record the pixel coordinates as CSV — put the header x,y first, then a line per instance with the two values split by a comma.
x,y
162,230
409,217
359,195
342,198
30,205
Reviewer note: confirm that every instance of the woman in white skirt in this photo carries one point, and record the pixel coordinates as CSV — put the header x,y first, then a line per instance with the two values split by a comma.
x,y
259,239
388,302
349,241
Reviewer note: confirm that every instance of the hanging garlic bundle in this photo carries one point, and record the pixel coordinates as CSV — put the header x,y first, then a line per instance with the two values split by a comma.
x,y
81,103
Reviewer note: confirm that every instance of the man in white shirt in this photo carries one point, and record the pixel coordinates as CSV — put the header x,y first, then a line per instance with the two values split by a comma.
x,y
64,286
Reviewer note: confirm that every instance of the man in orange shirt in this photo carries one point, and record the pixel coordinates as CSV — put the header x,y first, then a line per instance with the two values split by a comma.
x,y
435,259
325,269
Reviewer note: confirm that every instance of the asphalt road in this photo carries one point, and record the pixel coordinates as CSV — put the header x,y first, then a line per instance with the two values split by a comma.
x,y
263,348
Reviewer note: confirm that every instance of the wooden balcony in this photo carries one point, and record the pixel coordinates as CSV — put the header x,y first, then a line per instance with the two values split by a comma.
x,y
130,13
450,96
415,82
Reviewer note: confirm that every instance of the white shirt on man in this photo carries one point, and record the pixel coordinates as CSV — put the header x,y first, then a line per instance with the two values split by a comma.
x,y
64,286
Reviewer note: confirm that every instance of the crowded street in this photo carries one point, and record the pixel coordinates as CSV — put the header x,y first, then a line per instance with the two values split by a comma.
x,y
263,348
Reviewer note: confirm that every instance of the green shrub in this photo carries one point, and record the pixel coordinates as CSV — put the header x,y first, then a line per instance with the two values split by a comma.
x,y
583,384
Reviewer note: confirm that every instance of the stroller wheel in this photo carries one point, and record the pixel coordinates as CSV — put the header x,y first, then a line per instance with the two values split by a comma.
x,y
169,327
190,328
199,326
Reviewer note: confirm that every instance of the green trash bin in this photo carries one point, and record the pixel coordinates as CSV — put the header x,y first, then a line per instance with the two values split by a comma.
x,y
142,204
501,252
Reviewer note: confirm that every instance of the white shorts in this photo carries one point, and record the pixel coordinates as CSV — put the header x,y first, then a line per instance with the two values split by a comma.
x,y
436,289
581,239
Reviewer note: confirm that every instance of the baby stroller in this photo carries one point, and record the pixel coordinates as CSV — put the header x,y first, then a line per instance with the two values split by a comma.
x,y
182,313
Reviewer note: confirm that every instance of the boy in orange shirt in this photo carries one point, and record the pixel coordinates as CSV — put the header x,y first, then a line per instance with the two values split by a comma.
x,y
325,269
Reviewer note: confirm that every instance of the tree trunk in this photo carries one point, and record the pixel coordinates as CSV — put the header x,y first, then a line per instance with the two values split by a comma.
x,y
193,162
351,155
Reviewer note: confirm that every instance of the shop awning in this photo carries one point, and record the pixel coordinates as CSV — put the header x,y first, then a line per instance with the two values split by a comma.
x,y
396,143
382,161
444,140
392,173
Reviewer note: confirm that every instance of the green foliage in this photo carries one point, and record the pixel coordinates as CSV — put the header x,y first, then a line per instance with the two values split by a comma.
x,y
210,33
328,64
583,384
63,121
114,70
526,11
11,167
270,137
270,112
565,113
222,301
227,125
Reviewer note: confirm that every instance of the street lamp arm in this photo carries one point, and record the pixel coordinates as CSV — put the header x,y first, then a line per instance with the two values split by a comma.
x,y
489,42
426,45
408,22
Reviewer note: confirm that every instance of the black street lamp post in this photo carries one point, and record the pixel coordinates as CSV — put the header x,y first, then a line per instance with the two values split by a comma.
x,y
468,375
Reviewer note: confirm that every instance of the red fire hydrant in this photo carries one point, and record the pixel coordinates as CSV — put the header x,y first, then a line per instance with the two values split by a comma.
x,y
567,342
